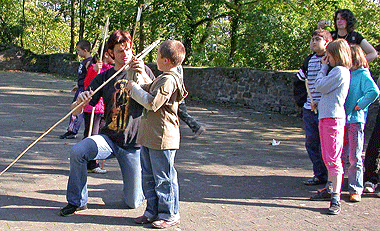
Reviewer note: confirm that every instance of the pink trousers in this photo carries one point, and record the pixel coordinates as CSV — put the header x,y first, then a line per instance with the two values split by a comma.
x,y
331,132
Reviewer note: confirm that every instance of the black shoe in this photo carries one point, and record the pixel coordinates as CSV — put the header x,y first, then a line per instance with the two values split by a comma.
x,y
68,135
334,207
321,195
71,209
314,181
199,132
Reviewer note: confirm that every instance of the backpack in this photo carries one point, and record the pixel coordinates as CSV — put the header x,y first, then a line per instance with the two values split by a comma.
x,y
299,88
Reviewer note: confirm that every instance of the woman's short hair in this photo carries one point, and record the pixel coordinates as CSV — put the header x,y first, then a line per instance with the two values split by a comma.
x,y
118,37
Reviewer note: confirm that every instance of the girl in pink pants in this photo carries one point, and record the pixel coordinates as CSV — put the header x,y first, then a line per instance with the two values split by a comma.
x,y
333,85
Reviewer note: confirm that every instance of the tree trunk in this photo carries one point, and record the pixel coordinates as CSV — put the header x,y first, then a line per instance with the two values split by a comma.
x,y
189,41
72,26
233,41
23,23
82,18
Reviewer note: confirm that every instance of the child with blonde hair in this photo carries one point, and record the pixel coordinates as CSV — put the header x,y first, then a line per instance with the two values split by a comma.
x,y
334,87
363,91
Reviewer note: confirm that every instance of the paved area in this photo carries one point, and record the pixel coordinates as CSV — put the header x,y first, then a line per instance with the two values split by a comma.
x,y
231,178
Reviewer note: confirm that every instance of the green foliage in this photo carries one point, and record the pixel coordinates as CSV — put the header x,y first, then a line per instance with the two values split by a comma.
x,y
45,32
10,18
267,34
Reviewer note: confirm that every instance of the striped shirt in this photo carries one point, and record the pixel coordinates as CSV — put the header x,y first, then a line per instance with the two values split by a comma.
x,y
314,66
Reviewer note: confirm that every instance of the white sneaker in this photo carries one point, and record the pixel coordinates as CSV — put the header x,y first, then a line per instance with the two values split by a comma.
x,y
369,187
97,170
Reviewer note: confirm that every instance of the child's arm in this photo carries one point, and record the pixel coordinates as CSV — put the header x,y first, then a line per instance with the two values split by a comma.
x,y
163,89
371,92
326,83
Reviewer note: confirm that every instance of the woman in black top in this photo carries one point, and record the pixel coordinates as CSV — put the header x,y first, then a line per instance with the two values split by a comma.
x,y
345,24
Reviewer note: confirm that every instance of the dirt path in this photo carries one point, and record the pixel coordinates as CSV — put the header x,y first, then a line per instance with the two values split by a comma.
x,y
230,179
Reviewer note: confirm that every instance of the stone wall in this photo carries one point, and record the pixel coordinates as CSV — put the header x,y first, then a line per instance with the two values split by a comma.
x,y
15,58
264,91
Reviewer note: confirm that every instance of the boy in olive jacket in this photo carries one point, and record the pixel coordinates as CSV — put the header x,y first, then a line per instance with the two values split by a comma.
x,y
159,136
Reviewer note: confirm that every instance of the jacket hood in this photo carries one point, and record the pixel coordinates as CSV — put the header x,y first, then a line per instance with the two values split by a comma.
x,y
181,86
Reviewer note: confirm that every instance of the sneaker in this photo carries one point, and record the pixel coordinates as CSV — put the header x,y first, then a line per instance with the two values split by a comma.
x,y
162,224
68,135
71,209
314,181
369,187
334,207
355,198
199,132
322,195
378,194
142,220
97,170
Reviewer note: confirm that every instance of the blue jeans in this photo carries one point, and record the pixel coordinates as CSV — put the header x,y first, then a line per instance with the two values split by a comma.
x,y
353,148
100,147
313,144
160,184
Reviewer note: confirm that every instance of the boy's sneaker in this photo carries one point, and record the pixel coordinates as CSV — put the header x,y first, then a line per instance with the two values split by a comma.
x,y
369,187
334,207
378,194
321,195
162,224
199,132
71,209
97,170
142,220
68,135
315,181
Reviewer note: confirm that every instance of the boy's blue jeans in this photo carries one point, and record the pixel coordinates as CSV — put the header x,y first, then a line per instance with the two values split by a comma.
x,y
313,144
100,147
160,184
353,148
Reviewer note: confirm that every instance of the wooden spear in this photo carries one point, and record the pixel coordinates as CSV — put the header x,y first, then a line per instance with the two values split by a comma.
x,y
105,32
310,96
141,55
138,17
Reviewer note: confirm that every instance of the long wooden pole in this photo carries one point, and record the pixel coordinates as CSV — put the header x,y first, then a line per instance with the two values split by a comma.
x,y
141,55
309,94
105,32
139,11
